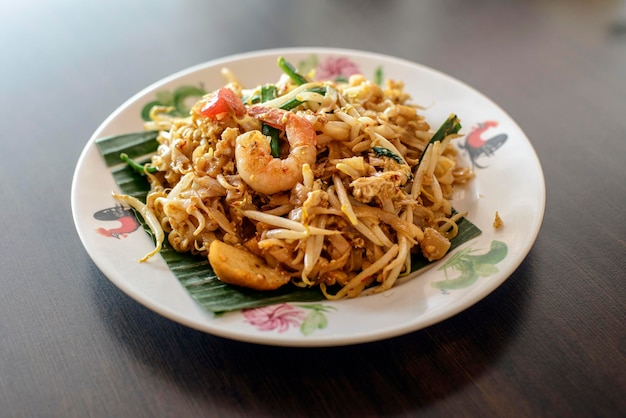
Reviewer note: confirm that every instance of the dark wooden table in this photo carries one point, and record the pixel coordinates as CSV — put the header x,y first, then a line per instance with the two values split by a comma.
x,y
549,342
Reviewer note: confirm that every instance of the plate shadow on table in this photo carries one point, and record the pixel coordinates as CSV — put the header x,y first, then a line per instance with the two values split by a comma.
x,y
417,370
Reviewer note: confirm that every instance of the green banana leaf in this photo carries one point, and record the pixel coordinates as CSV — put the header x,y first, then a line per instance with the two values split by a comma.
x,y
194,272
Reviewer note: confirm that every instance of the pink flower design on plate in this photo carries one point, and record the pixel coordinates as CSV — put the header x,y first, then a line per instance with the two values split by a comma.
x,y
336,67
276,317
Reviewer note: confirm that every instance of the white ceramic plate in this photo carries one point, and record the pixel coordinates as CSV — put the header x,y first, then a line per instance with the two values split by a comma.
x,y
509,180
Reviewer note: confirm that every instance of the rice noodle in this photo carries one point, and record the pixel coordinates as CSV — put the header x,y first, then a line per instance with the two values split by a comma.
x,y
355,214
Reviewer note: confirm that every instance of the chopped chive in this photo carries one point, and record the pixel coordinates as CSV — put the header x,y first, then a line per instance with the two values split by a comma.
x,y
268,92
384,152
291,71
274,141
293,103
451,126
378,76
141,169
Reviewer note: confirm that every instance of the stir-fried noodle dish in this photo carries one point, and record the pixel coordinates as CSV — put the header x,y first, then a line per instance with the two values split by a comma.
x,y
315,183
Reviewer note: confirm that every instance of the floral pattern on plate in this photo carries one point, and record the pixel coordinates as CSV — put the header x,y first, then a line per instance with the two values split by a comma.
x,y
284,316
471,266
335,68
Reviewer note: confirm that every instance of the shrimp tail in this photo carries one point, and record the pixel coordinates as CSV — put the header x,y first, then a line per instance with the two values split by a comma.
x,y
297,127
276,118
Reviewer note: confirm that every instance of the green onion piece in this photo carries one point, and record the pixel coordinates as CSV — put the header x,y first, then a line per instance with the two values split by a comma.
x,y
291,71
384,152
378,76
141,169
274,142
250,100
295,102
183,95
451,126
268,92
145,111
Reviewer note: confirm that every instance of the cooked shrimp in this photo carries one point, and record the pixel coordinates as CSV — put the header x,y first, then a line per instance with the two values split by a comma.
x,y
255,164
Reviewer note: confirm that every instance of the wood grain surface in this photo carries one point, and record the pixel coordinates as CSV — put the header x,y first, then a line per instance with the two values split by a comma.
x,y
548,342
